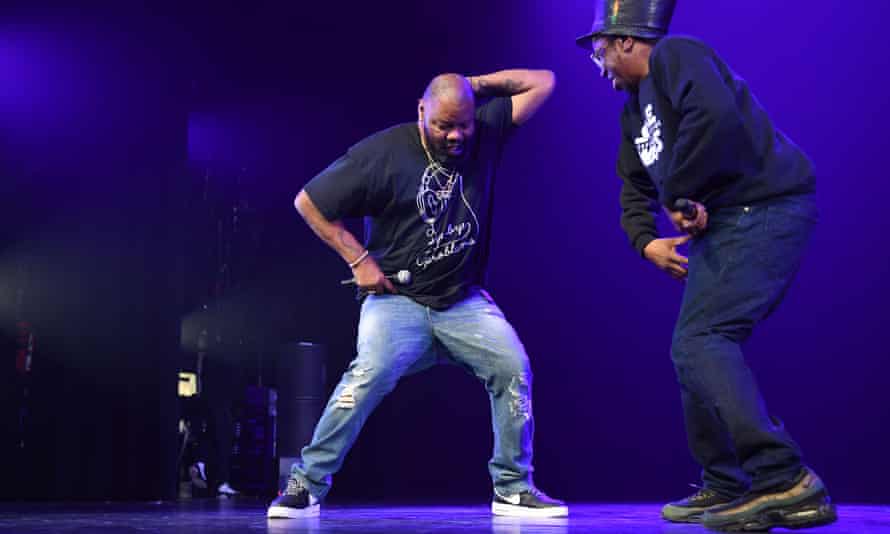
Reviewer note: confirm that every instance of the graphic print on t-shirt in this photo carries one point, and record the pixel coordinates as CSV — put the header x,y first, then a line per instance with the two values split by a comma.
x,y
649,144
445,234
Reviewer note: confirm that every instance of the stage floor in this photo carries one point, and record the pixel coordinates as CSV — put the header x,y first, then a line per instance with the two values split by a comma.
x,y
248,516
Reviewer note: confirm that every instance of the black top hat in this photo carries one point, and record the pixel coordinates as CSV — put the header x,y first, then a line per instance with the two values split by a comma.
x,y
647,19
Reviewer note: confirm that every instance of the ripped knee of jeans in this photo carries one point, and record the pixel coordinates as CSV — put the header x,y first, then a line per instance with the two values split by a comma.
x,y
358,376
520,397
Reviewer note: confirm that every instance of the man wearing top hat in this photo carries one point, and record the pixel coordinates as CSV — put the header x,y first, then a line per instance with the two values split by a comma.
x,y
695,141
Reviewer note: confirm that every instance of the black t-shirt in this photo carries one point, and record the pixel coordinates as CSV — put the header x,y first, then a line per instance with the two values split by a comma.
x,y
694,130
421,217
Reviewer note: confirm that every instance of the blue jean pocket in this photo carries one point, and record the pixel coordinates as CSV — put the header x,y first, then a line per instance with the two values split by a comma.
x,y
785,234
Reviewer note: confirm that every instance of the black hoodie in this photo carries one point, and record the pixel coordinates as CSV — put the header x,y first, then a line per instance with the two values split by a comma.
x,y
694,130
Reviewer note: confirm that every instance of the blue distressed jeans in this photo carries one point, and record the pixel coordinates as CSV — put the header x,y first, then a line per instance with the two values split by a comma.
x,y
397,336
739,271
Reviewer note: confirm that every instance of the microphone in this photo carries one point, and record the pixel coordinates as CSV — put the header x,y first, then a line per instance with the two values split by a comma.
x,y
686,207
402,277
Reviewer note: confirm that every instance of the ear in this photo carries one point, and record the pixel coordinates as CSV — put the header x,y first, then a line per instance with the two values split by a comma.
x,y
420,110
626,44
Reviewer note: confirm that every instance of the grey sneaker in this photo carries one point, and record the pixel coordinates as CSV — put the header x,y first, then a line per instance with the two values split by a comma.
x,y
690,509
805,503
198,475
225,490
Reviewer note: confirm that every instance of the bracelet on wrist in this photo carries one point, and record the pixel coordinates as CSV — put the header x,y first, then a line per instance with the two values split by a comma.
x,y
361,258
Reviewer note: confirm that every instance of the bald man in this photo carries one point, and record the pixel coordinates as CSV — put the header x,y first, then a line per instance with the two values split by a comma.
x,y
425,191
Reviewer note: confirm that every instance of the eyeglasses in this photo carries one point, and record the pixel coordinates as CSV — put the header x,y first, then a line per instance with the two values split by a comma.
x,y
599,54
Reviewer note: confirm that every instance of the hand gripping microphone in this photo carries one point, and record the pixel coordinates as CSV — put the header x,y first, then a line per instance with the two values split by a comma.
x,y
402,277
687,208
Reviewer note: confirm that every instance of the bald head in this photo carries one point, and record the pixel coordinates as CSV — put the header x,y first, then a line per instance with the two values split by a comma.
x,y
446,115
451,88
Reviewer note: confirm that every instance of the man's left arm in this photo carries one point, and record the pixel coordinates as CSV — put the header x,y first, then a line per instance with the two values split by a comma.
x,y
527,89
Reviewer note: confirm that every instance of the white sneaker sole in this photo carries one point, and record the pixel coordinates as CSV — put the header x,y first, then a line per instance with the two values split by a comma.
x,y
286,512
511,510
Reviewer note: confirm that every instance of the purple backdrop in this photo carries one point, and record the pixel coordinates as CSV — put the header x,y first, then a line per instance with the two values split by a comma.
x,y
278,92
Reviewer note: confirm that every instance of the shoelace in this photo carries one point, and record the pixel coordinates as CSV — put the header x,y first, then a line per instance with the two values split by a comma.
x,y
702,493
294,487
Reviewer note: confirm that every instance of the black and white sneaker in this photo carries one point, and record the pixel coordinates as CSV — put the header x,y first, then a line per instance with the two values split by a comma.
x,y
530,503
294,502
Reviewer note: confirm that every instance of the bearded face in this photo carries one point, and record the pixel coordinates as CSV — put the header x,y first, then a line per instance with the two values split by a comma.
x,y
448,127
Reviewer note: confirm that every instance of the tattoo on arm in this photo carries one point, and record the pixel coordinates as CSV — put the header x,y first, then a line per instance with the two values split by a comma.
x,y
502,87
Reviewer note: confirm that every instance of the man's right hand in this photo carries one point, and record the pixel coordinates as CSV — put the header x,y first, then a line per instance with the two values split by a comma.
x,y
370,279
663,253
693,227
